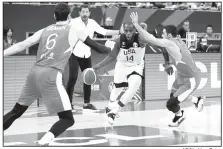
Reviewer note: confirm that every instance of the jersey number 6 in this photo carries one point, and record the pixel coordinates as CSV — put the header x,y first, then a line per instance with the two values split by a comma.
x,y
51,41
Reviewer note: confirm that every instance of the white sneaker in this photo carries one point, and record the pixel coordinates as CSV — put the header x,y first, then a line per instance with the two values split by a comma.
x,y
200,103
36,143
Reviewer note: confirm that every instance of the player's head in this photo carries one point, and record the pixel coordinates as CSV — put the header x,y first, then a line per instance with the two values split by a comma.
x,y
84,12
159,31
186,25
169,31
61,12
129,30
209,29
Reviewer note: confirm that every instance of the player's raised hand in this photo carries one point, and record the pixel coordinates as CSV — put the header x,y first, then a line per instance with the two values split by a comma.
x,y
121,29
134,17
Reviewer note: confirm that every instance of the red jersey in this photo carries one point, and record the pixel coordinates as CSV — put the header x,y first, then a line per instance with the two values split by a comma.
x,y
54,49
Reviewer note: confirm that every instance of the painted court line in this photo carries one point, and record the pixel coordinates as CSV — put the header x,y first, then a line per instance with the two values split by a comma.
x,y
127,138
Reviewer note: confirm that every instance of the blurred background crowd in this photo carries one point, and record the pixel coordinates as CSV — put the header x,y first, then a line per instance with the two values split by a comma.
x,y
211,6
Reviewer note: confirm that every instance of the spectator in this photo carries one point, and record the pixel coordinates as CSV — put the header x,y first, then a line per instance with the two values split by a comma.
x,y
203,46
7,38
209,32
185,28
108,21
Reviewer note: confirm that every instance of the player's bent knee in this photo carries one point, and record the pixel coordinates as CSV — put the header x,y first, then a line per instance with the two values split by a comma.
x,y
68,117
71,122
172,103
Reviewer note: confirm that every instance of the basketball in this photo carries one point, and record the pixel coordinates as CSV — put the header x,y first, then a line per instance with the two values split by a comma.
x,y
89,76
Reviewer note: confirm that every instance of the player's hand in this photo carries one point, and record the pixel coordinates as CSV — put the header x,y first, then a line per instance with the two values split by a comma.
x,y
168,69
96,69
121,29
134,17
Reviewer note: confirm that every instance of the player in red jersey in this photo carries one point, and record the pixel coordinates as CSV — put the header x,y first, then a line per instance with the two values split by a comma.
x,y
188,75
44,80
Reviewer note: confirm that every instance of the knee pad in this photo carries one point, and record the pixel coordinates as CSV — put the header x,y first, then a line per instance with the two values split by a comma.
x,y
173,104
18,110
71,121
68,117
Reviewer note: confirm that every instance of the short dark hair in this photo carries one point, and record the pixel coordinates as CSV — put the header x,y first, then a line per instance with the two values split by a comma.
x,y
209,26
84,6
127,23
62,10
159,31
171,29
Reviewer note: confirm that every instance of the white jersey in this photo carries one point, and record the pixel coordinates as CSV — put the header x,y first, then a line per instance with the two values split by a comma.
x,y
130,52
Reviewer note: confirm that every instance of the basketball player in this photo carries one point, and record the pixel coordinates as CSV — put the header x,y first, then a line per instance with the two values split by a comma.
x,y
45,78
129,49
188,75
82,55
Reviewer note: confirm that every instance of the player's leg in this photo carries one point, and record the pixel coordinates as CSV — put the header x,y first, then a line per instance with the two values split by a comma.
x,y
73,75
174,88
116,91
57,101
185,90
27,97
198,101
65,121
86,63
134,82
120,82
12,115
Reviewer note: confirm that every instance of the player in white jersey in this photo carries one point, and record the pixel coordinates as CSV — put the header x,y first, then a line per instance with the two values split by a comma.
x,y
129,50
44,80
188,76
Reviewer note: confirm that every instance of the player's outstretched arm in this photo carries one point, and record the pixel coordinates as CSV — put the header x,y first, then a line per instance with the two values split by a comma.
x,y
20,46
144,34
111,57
81,35
104,31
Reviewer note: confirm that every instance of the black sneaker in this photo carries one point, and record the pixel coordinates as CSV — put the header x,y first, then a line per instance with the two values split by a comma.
x,y
200,103
107,110
89,108
177,120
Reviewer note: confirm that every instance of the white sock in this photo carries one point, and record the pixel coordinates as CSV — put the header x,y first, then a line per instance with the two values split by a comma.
x,y
47,138
194,99
179,113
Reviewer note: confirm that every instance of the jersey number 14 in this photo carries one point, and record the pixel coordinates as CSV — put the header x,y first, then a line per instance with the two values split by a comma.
x,y
130,58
